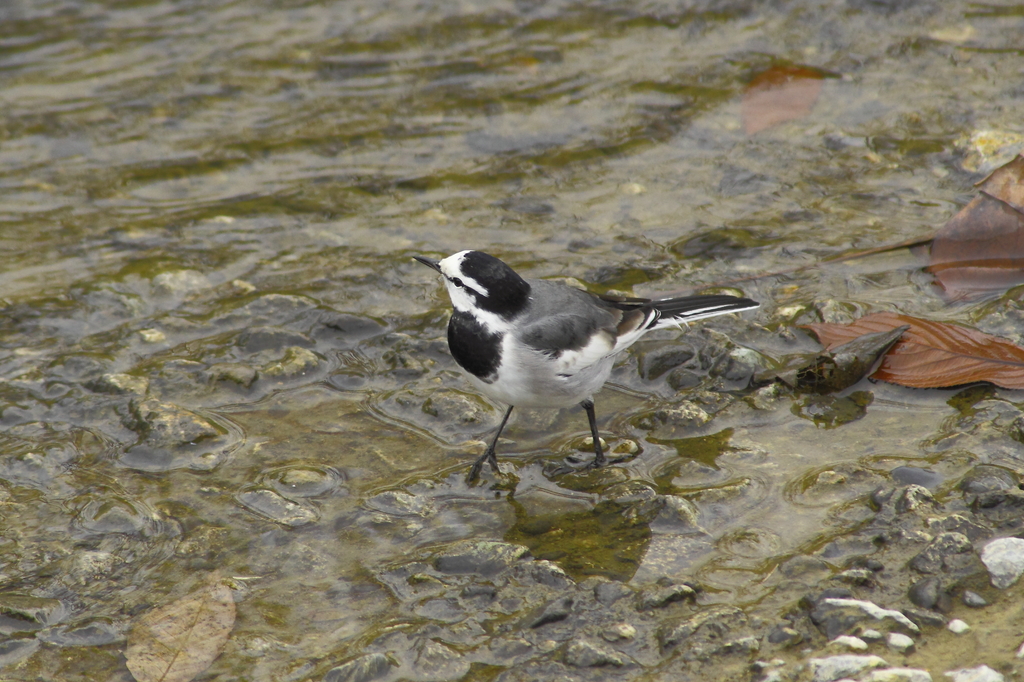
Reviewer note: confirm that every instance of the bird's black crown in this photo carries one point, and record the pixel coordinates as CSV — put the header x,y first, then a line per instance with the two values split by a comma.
x,y
507,292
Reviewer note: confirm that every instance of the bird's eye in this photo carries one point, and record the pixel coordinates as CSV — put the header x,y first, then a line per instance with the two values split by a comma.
x,y
457,282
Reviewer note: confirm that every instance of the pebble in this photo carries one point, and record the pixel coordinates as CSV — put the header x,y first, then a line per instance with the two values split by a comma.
x,y
1004,559
900,642
850,642
973,599
837,667
980,674
957,626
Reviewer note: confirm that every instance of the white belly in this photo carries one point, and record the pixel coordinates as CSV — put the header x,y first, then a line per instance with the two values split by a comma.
x,y
531,379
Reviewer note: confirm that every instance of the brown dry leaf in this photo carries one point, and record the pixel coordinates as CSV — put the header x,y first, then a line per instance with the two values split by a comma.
x,y
781,93
176,642
981,248
934,354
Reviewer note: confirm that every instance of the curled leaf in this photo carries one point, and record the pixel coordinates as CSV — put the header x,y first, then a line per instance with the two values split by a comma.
x,y
176,642
934,354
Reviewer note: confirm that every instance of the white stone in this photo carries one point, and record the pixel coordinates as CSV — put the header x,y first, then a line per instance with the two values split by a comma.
x,y
899,675
1004,559
871,635
957,626
980,674
875,611
899,642
846,665
850,642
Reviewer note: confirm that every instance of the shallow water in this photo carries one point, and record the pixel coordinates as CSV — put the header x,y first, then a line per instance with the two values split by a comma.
x,y
217,354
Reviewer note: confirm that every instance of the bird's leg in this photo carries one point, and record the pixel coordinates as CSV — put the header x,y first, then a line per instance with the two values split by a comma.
x,y
489,455
588,405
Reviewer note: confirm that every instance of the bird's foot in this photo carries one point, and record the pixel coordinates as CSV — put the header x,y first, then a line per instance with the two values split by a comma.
x,y
571,465
474,471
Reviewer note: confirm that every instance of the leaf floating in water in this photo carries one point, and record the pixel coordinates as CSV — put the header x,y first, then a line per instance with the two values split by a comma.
x,y
981,248
934,354
176,642
779,94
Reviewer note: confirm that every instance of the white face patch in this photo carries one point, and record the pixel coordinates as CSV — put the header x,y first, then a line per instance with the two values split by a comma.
x,y
451,269
462,300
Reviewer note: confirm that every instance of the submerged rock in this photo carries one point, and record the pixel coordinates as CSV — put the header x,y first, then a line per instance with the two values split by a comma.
x,y
273,506
363,669
171,437
484,558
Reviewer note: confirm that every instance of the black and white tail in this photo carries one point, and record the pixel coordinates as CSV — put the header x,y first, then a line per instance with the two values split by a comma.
x,y
676,311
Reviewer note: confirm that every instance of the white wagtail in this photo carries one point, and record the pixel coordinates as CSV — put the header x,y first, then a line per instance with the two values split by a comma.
x,y
534,343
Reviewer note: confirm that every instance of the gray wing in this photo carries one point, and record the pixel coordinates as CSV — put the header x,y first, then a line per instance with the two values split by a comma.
x,y
555,334
574,327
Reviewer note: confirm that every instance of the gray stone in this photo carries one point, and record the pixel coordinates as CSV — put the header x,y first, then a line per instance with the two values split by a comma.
x,y
584,654
662,595
296,361
928,593
785,636
235,372
439,662
557,610
973,599
609,592
1004,559
940,556
712,624
167,425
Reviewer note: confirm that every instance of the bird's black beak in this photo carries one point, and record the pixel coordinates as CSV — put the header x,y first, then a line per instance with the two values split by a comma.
x,y
429,262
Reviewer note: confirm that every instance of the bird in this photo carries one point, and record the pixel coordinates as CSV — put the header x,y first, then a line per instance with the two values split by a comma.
x,y
539,343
